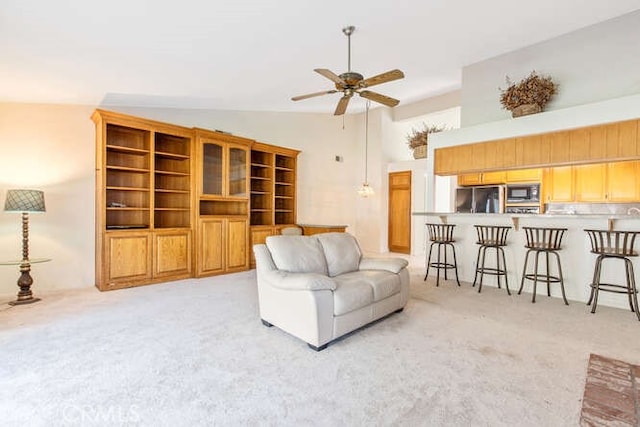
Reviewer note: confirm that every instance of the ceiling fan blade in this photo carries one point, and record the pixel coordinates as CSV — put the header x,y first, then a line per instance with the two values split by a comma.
x,y
382,99
342,105
311,95
330,75
389,76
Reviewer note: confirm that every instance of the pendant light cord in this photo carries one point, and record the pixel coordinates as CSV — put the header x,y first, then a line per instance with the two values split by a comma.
x,y
366,142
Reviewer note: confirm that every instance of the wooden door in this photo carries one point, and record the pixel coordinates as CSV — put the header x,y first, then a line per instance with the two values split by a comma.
x,y
590,182
400,212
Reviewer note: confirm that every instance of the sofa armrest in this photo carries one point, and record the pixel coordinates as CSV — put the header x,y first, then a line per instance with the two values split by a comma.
x,y
394,265
299,281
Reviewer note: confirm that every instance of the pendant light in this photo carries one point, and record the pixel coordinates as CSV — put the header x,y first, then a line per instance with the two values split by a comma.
x,y
365,190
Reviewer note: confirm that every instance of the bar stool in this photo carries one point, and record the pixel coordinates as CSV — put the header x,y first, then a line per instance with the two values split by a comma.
x,y
491,237
617,245
442,236
543,240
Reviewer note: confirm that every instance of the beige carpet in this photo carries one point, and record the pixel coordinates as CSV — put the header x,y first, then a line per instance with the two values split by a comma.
x,y
195,353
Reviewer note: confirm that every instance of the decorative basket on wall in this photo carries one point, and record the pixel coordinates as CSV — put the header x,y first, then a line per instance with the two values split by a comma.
x,y
420,152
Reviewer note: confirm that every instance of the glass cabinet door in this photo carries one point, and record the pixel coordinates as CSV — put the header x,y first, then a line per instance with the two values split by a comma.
x,y
238,171
212,170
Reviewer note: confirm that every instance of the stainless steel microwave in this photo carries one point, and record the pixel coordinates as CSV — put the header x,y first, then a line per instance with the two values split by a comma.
x,y
523,193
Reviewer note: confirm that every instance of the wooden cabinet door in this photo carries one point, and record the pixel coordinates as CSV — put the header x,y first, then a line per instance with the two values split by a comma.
x,y
237,242
524,175
172,253
212,169
211,246
237,171
623,182
558,184
497,177
258,235
470,179
559,146
399,211
128,258
590,182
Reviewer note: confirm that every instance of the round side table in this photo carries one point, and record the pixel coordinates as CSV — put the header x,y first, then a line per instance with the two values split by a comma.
x,y
25,296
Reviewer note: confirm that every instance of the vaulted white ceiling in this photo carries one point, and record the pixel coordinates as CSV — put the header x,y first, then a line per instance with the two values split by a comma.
x,y
257,54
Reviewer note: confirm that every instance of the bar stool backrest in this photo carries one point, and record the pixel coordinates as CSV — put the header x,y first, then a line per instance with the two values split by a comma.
x,y
544,237
441,232
616,243
492,235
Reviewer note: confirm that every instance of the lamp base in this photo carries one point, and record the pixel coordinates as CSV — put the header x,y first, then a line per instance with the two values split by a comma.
x,y
25,296
24,301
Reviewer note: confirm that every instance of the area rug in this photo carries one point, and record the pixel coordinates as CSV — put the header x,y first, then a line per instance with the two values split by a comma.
x,y
611,393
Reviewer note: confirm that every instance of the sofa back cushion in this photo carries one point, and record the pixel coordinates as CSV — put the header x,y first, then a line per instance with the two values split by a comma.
x,y
341,251
297,254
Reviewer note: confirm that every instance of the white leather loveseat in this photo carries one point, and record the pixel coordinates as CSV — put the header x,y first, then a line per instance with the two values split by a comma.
x,y
319,287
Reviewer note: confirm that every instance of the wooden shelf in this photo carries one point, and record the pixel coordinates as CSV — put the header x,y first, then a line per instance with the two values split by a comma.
x,y
162,172
172,155
129,150
127,169
164,190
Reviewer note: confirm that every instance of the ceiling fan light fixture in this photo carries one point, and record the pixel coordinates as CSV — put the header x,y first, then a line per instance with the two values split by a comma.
x,y
352,82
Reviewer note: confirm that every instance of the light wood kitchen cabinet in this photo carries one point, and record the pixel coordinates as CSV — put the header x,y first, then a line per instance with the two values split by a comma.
x,y
621,140
558,184
523,175
484,178
599,143
223,246
623,181
590,183
617,182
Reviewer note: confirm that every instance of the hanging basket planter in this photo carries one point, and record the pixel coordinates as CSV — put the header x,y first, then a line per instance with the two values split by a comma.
x,y
420,152
528,96
417,140
525,110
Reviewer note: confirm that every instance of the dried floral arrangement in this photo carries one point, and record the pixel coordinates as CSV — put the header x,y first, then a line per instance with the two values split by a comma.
x,y
534,89
420,137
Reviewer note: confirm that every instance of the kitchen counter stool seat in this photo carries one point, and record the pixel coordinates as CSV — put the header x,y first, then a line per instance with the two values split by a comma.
x,y
614,245
491,237
441,235
543,240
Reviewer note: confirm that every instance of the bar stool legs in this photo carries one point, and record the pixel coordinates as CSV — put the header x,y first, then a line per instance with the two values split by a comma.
x,y
481,270
442,236
631,289
444,265
542,277
614,244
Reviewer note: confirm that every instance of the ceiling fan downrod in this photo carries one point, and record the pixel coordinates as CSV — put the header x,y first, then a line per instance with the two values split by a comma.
x,y
348,31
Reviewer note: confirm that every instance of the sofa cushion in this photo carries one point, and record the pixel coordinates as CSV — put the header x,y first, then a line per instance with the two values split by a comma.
x,y
383,283
297,254
351,293
341,251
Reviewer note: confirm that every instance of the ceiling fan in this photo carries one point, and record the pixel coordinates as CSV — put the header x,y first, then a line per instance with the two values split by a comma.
x,y
351,82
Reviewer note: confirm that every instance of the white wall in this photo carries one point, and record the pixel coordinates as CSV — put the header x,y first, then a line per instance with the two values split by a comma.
x,y
592,64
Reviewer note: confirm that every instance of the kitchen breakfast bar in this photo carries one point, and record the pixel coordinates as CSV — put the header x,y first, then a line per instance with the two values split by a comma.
x,y
577,260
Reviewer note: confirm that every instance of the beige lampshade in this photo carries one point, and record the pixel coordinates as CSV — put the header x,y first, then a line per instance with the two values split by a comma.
x,y
24,201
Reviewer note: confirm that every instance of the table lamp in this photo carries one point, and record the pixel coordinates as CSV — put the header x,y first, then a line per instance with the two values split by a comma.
x,y
24,201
